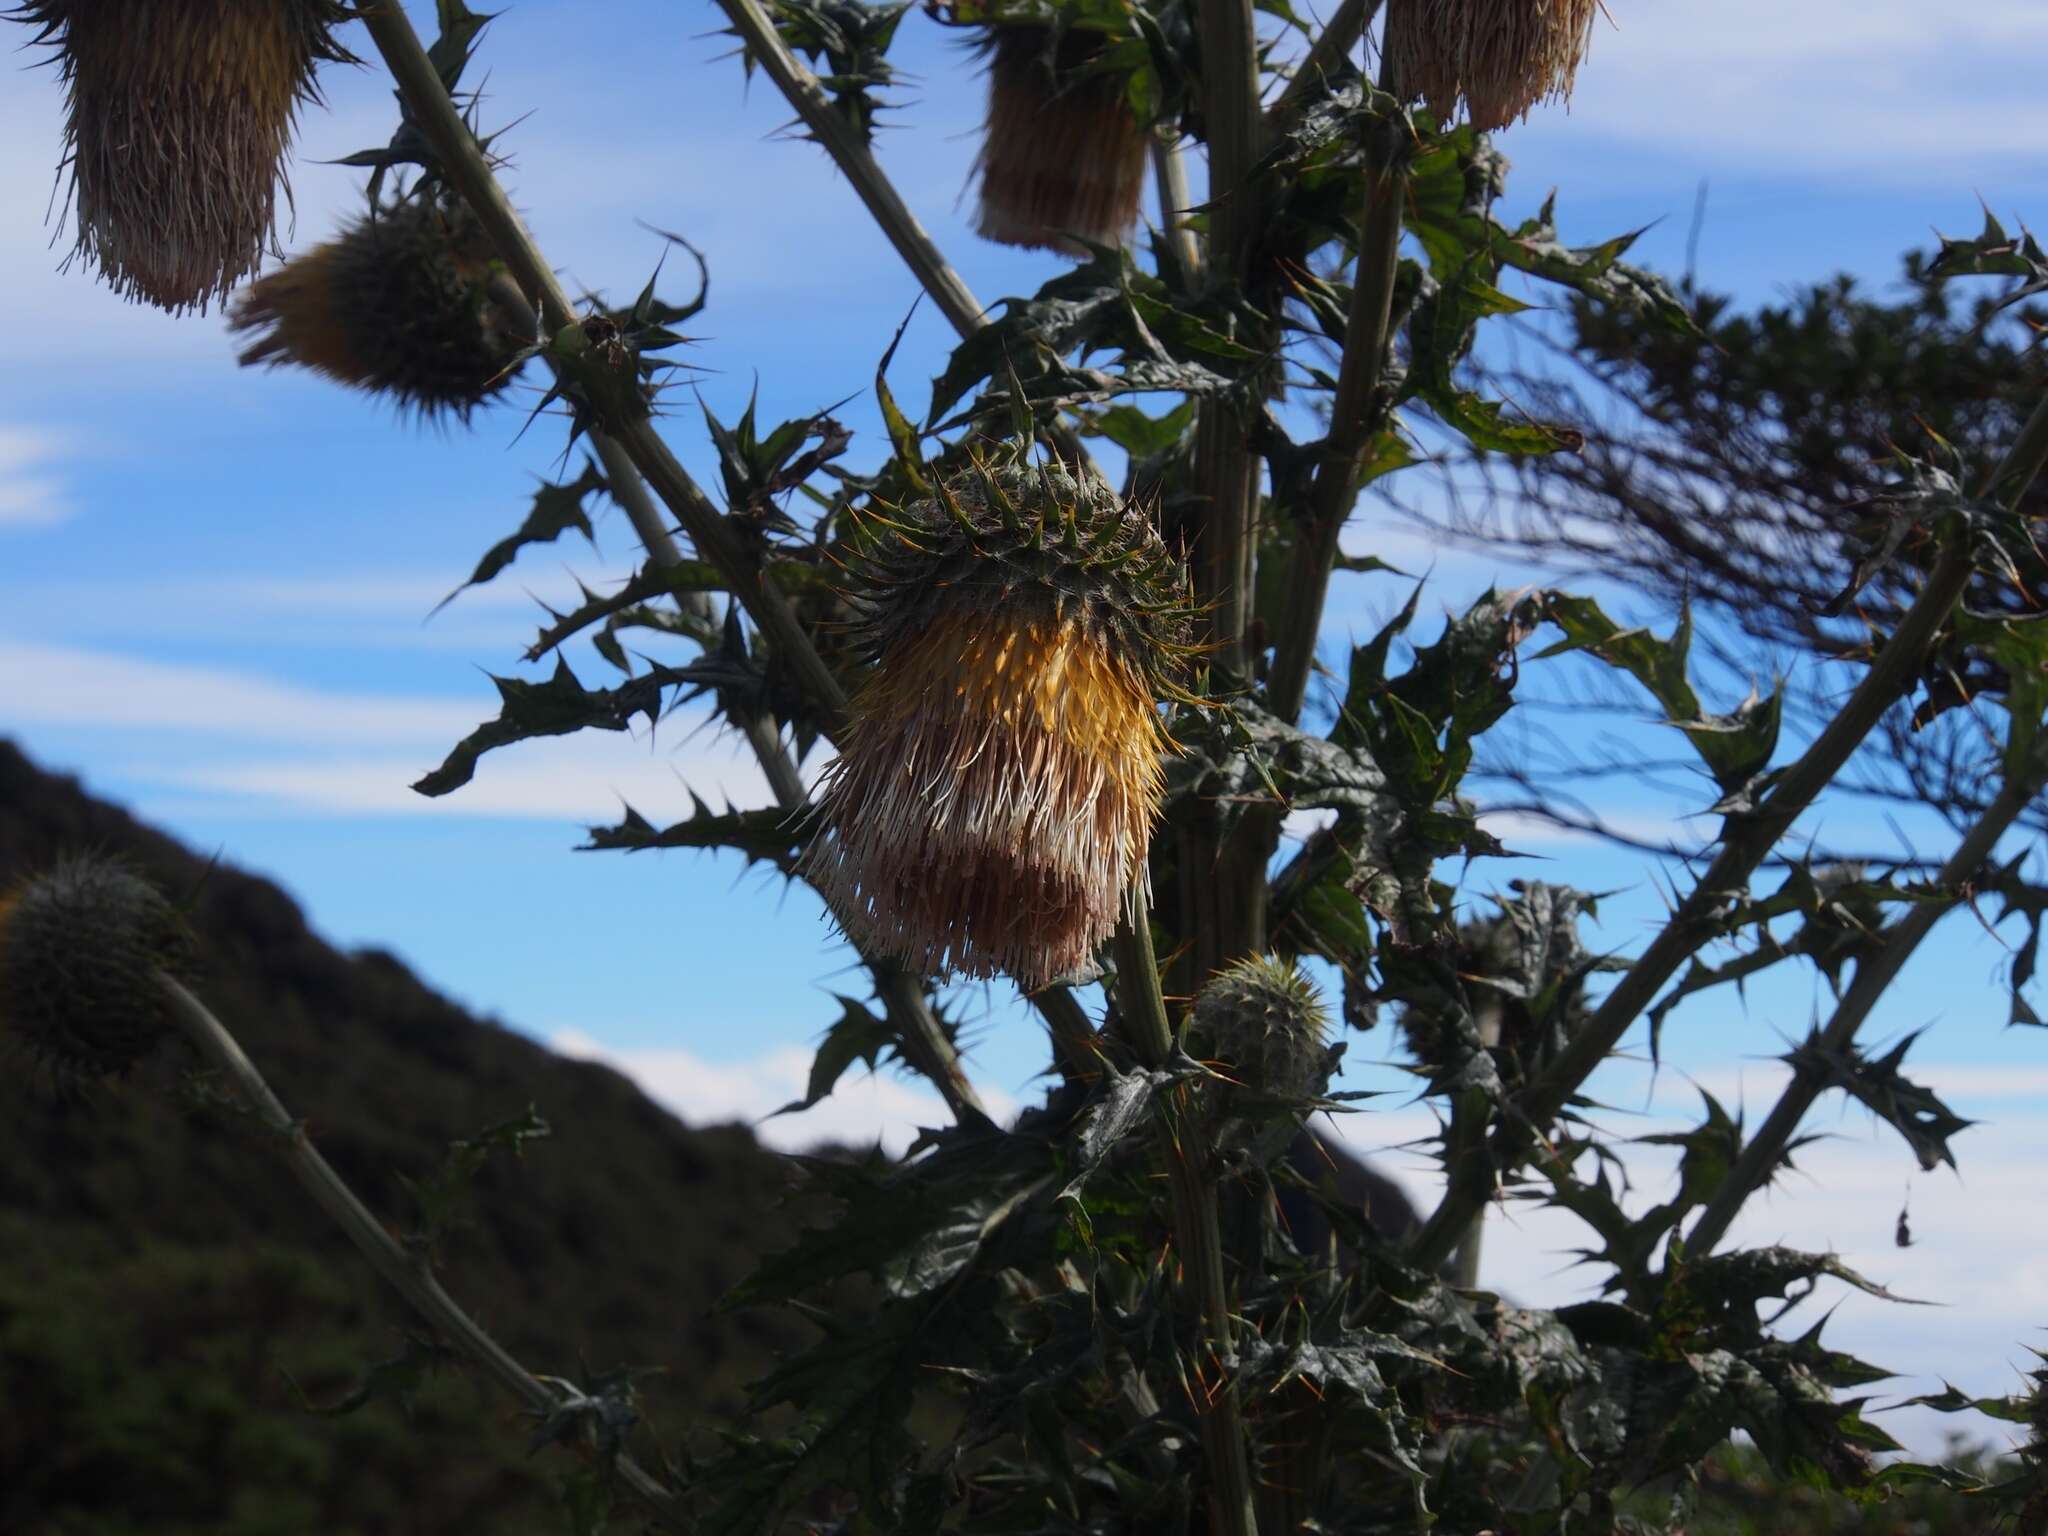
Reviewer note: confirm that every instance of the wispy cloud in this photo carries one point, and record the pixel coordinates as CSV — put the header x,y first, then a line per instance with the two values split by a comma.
x,y
63,685
32,494
866,1108
587,778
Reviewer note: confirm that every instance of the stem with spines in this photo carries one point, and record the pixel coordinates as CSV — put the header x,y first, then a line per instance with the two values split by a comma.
x,y
1875,973
635,445
1748,841
1197,1231
405,1273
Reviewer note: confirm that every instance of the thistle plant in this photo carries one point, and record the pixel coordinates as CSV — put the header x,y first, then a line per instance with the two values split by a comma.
x,y
1057,651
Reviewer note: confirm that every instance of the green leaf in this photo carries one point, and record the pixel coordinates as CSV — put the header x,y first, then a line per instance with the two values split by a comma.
x,y
443,1196
769,836
556,510
859,1035
1915,1112
1736,747
558,707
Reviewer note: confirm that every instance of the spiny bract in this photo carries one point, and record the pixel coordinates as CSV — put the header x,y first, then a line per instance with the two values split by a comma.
x,y
994,799
398,304
1502,56
179,117
81,946
1062,155
1264,1024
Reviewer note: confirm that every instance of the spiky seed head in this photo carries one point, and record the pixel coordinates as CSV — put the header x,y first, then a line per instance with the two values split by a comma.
x,y
1062,154
1503,57
80,948
993,801
1264,1023
398,304
179,114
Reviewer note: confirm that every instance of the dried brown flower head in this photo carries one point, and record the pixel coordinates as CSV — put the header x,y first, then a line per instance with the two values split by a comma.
x,y
994,799
81,947
180,113
1063,154
398,305
1503,57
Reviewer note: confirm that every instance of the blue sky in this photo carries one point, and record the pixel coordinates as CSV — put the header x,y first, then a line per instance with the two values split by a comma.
x,y
214,584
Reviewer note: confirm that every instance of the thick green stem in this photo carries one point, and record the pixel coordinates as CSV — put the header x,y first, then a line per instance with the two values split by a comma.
x,y
1357,414
1874,975
1748,841
1196,1230
403,1272
1170,176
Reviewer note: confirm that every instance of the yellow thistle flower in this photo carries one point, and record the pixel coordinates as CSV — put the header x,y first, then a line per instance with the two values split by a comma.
x,y
994,799
180,114
1062,155
1503,57
398,305
81,946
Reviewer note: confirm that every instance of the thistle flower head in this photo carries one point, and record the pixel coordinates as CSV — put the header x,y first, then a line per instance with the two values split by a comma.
x,y
179,116
398,305
994,799
1265,1023
1503,57
80,948
1062,155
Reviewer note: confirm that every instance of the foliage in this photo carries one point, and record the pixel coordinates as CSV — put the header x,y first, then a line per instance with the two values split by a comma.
x,y
1097,1318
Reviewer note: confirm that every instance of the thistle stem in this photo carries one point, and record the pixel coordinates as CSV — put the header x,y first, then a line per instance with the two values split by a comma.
x,y
924,1041
400,1270
843,142
1747,842
1356,416
1184,1142
1330,48
469,171
1176,200
1874,974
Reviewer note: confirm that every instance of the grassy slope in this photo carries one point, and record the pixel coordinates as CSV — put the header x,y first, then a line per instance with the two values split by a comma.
x,y
160,1274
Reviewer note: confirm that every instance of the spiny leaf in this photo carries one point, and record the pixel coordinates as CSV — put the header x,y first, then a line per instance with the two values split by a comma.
x,y
556,510
768,836
858,1035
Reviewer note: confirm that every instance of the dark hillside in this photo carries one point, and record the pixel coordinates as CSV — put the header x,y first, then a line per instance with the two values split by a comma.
x,y
160,1272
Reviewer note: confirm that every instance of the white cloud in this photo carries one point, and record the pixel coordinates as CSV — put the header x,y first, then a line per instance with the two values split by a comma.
x,y
350,754
866,1106
31,496
586,778
62,685
1894,90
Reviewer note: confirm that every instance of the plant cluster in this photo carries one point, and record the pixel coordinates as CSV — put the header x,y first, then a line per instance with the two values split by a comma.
x,y
1071,714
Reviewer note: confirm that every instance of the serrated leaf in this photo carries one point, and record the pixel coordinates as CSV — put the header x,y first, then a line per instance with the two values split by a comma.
x,y
556,510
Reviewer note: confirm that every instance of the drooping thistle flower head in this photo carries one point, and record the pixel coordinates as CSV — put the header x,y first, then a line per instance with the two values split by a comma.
x,y
1264,1023
398,304
179,116
81,946
1063,154
1503,57
993,802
